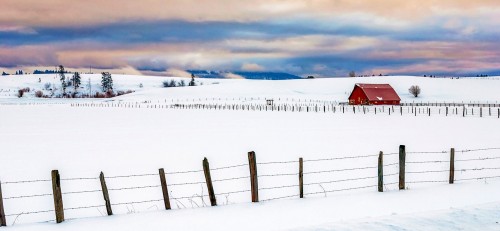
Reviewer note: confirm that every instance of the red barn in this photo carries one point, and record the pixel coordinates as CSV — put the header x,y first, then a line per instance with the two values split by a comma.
x,y
373,94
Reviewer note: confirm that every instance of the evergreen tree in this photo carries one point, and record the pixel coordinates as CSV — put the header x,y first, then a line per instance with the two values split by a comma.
x,y
192,83
182,83
106,82
172,83
62,77
77,80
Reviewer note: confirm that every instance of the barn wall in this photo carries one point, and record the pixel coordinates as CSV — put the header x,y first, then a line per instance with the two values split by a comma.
x,y
386,102
358,97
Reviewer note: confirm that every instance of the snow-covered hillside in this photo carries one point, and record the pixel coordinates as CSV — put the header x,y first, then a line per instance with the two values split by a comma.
x,y
130,144
333,89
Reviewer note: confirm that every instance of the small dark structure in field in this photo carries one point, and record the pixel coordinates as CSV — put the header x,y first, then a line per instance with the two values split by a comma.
x,y
373,94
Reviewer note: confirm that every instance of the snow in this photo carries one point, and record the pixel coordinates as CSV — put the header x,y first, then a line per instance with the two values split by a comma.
x,y
440,208
482,90
38,136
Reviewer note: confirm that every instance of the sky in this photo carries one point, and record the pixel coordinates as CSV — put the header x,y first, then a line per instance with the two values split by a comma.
x,y
325,38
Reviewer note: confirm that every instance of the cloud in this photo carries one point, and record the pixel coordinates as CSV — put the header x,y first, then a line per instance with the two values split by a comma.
x,y
252,67
297,36
18,29
232,76
177,73
93,12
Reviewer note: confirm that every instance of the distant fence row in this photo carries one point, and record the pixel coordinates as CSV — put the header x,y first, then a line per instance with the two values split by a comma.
x,y
402,169
244,100
319,108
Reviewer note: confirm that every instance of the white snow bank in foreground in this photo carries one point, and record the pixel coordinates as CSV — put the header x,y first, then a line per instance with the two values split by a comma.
x,y
447,207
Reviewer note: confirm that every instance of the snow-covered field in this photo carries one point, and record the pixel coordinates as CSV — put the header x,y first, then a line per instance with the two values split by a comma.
x,y
126,142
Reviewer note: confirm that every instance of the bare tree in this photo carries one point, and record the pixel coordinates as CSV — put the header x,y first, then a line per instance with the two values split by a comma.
x,y
352,74
414,90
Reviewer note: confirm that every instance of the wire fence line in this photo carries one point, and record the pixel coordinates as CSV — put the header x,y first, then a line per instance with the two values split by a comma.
x,y
231,179
429,171
479,159
343,180
80,178
28,196
342,189
25,181
31,212
341,170
477,150
136,187
478,178
332,185
279,162
233,192
80,192
331,107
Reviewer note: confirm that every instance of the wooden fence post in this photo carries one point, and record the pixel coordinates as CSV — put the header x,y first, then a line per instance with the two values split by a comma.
x,y
58,202
402,161
164,189
3,221
452,165
301,179
105,194
380,172
252,163
208,179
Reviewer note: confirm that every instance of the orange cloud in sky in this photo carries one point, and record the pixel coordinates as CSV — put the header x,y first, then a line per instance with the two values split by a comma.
x,y
257,35
32,13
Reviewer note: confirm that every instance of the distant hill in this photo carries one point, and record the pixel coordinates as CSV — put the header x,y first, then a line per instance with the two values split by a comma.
x,y
244,74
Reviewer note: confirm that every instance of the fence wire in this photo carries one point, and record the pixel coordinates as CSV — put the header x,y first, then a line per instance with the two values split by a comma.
x,y
429,171
426,181
183,172
341,158
478,178
428,162
279,187
341,170
188,183
81,192
340,190
336,181
85,207
138,202
278,162
135,187
477,150
231,179
437,152
233,192
133,175
478,159
25,181
228,167
279,174
30,212
475,169
80,178
28,196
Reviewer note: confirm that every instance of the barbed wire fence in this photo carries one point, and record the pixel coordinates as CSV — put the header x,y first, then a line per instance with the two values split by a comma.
x,y
278,179
318,106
